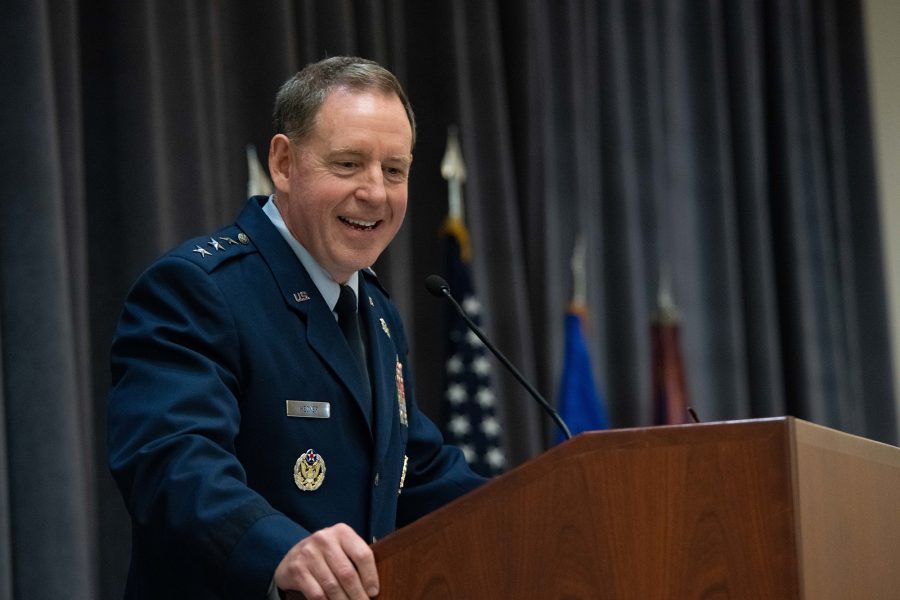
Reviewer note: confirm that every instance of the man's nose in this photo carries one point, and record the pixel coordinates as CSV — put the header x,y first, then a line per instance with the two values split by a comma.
x,y
372,187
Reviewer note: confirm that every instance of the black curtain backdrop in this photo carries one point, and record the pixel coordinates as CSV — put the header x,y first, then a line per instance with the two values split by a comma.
x,y
723,145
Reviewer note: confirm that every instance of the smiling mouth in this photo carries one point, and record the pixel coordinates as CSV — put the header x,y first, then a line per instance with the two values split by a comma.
x,y
359,225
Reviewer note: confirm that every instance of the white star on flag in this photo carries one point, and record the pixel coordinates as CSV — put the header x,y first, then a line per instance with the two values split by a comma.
x,y
455,364
468,452
485,397
459,425
481,366
471,305
473,340
490,426
495,458
456,393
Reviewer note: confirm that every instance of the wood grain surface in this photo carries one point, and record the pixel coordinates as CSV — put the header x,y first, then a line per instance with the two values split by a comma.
x,y
658,513
763,509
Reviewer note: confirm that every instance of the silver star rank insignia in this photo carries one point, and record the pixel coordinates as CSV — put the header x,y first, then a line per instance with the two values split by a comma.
x,y
203,252
215,244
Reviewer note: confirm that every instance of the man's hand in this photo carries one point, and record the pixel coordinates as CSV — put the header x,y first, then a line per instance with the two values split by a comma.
x,y
332,563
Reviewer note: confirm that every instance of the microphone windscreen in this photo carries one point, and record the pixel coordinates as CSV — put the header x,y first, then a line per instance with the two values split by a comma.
x,y
437,285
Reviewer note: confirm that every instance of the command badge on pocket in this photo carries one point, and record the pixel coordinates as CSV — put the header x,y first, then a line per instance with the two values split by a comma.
x,y
309,471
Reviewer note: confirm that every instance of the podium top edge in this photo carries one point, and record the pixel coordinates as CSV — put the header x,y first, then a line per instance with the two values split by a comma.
x,y
795,428
730,422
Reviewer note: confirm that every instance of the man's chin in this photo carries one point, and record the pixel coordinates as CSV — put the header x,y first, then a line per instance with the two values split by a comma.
x,y
342,272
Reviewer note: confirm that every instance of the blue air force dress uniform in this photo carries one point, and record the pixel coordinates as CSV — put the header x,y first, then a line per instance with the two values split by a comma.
x,y
225,363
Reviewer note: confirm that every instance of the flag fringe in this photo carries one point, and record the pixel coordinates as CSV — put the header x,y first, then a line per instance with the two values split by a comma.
x,y
454,227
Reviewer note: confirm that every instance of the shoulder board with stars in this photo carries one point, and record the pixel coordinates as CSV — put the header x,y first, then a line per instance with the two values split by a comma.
x,y
215,249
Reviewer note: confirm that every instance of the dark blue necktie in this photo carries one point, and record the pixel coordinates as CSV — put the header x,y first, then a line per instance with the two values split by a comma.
x,y
347,309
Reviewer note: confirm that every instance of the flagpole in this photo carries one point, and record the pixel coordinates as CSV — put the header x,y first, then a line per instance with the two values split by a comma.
x,y
453,170
258,183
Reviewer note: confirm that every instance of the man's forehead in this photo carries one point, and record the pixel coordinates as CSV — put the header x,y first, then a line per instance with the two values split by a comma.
x,y
360,90
337,128
341,96
344,96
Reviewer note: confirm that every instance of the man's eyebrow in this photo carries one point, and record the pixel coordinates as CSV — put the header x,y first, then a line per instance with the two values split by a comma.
x,y
345,151
404,159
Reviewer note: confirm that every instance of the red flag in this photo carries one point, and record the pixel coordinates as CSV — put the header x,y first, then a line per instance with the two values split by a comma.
x,y
670,395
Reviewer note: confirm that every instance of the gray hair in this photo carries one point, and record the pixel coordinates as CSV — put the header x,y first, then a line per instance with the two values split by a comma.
x,y
301,97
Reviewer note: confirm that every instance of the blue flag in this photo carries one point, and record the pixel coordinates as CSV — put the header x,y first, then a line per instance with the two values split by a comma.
x,y
580,404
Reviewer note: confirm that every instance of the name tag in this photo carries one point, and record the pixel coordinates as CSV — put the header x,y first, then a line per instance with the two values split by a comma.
x,y
309,410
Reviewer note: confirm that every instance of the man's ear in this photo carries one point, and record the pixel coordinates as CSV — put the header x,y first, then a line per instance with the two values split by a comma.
x,y
280,162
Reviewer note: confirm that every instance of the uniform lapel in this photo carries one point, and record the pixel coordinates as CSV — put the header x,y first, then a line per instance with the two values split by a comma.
x,y
383,368
302,297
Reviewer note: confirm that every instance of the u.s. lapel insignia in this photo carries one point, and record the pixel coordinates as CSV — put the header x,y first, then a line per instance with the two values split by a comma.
x,y
203,252
309,471
403,474
301,296
401,395
384,326
243,238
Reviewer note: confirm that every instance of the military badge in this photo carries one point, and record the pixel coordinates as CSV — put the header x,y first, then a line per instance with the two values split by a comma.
x,y
384,326
309,471
401,394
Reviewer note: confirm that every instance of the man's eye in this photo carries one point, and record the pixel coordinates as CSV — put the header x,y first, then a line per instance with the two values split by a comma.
x,y
346,164
395,173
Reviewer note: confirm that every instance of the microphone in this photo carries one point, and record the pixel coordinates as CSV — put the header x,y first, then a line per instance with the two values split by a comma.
x,y
441,289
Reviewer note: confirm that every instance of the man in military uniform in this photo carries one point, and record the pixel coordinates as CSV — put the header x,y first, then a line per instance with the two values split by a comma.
x,y
262,424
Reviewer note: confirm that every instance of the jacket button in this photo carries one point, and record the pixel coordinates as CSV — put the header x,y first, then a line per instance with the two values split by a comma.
x,y
377,477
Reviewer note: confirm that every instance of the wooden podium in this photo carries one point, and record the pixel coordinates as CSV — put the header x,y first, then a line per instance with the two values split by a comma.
x,y
767,509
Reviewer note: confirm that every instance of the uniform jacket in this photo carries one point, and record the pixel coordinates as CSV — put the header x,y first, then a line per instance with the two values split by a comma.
x,y
214,338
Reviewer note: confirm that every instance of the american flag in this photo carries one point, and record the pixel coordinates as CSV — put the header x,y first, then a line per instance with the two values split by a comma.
x,y
470,421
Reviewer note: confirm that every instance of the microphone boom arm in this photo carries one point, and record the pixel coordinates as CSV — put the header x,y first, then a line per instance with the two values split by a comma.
x,y
439,287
